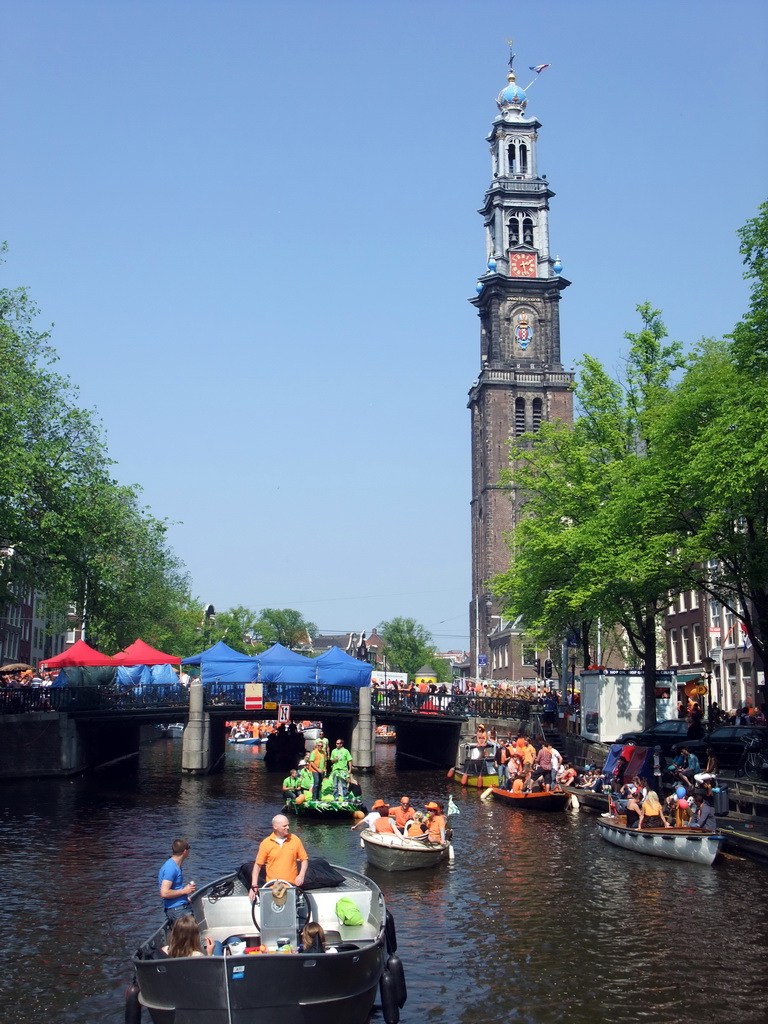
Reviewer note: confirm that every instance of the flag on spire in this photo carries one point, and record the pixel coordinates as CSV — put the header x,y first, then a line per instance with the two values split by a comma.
x,y
538,68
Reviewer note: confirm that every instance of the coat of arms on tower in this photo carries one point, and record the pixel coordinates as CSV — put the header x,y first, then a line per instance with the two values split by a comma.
x,y
523,332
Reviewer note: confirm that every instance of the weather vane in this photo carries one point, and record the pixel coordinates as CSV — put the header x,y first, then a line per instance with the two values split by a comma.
x,y
512,55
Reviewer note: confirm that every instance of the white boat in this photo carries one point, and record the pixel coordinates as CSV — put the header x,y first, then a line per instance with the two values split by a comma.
x,y
399,853
255,982
688,844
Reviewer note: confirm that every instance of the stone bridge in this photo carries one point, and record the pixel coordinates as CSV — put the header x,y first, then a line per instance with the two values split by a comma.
x,y
64,730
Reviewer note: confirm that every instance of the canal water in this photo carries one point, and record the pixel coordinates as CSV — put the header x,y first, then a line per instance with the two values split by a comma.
x,y
538,920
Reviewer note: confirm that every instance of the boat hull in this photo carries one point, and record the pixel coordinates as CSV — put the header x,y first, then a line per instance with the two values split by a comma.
x,y
532,801
684,844
398,853
262,988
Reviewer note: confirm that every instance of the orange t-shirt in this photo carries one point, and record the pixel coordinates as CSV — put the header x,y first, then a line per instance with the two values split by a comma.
x,y
280,858
383,825
415,830
517,786
317,762
435,825
401,816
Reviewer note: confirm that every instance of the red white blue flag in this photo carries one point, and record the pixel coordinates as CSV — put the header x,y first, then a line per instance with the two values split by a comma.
x,y
538,68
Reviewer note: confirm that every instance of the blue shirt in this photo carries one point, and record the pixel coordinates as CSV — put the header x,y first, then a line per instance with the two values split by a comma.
x,y
173,873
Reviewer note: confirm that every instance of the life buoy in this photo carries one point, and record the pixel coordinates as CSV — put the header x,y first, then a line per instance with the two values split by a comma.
x,y
132,1005
395,968
388,990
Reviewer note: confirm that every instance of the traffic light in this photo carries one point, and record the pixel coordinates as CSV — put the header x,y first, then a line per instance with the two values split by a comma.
x,y
548,668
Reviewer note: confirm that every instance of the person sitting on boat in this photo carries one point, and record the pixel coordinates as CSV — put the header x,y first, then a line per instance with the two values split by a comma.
x,y
341,765
185,940
312,938
517,783
632,810
703,816
305,779
403,814
690,767
416,827
566,775
282,854
371,817
710,773
435,823
384,823
652,813
316,765
173,892
291,786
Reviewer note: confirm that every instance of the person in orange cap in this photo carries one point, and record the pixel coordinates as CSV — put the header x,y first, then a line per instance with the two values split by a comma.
x,y
369,821
435,823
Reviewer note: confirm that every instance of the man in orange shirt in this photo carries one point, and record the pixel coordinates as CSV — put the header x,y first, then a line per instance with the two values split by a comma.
x,y
435,823
404,813
283,855
316,765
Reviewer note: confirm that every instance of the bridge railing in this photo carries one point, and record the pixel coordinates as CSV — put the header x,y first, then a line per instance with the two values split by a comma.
x,y
313,695
21,700
461,705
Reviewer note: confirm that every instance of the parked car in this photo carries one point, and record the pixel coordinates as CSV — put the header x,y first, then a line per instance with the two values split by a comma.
x,y
663,734
727,743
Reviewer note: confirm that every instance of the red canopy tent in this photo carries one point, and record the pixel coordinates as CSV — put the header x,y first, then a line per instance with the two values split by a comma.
x,y
139,653
79,655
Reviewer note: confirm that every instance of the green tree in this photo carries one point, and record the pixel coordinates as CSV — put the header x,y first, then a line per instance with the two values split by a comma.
x,y
284,626
594,541
407,644
77,535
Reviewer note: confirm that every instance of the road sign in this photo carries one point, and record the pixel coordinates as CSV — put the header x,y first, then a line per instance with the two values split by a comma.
x,y
284,714
482,660
254,696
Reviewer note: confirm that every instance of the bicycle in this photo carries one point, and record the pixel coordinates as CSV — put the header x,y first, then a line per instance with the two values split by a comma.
x,y
753,762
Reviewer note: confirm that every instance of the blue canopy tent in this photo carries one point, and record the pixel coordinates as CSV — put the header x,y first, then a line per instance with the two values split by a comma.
x,y
336,668
221,664
279,665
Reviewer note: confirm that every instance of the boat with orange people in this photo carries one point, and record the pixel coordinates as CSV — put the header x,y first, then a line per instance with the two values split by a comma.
x,y
476,765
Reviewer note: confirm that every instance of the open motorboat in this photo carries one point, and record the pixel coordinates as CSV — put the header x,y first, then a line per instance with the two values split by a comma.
x,y
555,800
393,852
689,844
261,978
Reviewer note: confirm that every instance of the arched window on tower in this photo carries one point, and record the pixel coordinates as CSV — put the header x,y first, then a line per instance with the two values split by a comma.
x,y
528,231
514,232
523,158
536,410
511,157
519,416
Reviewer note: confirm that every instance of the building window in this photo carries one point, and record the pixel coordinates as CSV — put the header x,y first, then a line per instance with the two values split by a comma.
x,y
715,630
536,413
673,659
519,416
696,642
684,645
529,656
746,671
511,157
694,599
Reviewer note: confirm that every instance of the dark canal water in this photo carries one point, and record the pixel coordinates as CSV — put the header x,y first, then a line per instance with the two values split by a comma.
x,y
538,921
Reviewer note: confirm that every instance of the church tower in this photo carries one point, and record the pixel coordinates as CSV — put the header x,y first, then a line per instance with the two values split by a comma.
x,y
521,380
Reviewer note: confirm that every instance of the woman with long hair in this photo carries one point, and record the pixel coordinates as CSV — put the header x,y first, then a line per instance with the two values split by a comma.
x,y
652,813
185,939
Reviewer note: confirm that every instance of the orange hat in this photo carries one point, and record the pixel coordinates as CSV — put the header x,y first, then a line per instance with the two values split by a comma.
x,y
431,806
377,804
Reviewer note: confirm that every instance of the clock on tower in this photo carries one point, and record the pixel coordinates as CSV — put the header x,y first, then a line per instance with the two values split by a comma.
x,y
522,264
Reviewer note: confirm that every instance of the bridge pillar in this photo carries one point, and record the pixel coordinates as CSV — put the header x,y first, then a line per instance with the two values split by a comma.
x,y
196,749
363,744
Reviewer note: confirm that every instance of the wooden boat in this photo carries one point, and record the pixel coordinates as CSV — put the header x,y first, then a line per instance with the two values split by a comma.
x,y
749,838
475,770
688,844
326,808
399,853
272,986
553,801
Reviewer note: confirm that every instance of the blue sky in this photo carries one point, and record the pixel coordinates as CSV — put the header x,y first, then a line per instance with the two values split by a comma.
x,y
254,226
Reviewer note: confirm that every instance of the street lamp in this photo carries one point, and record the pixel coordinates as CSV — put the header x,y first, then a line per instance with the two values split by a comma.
x,y
709,667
